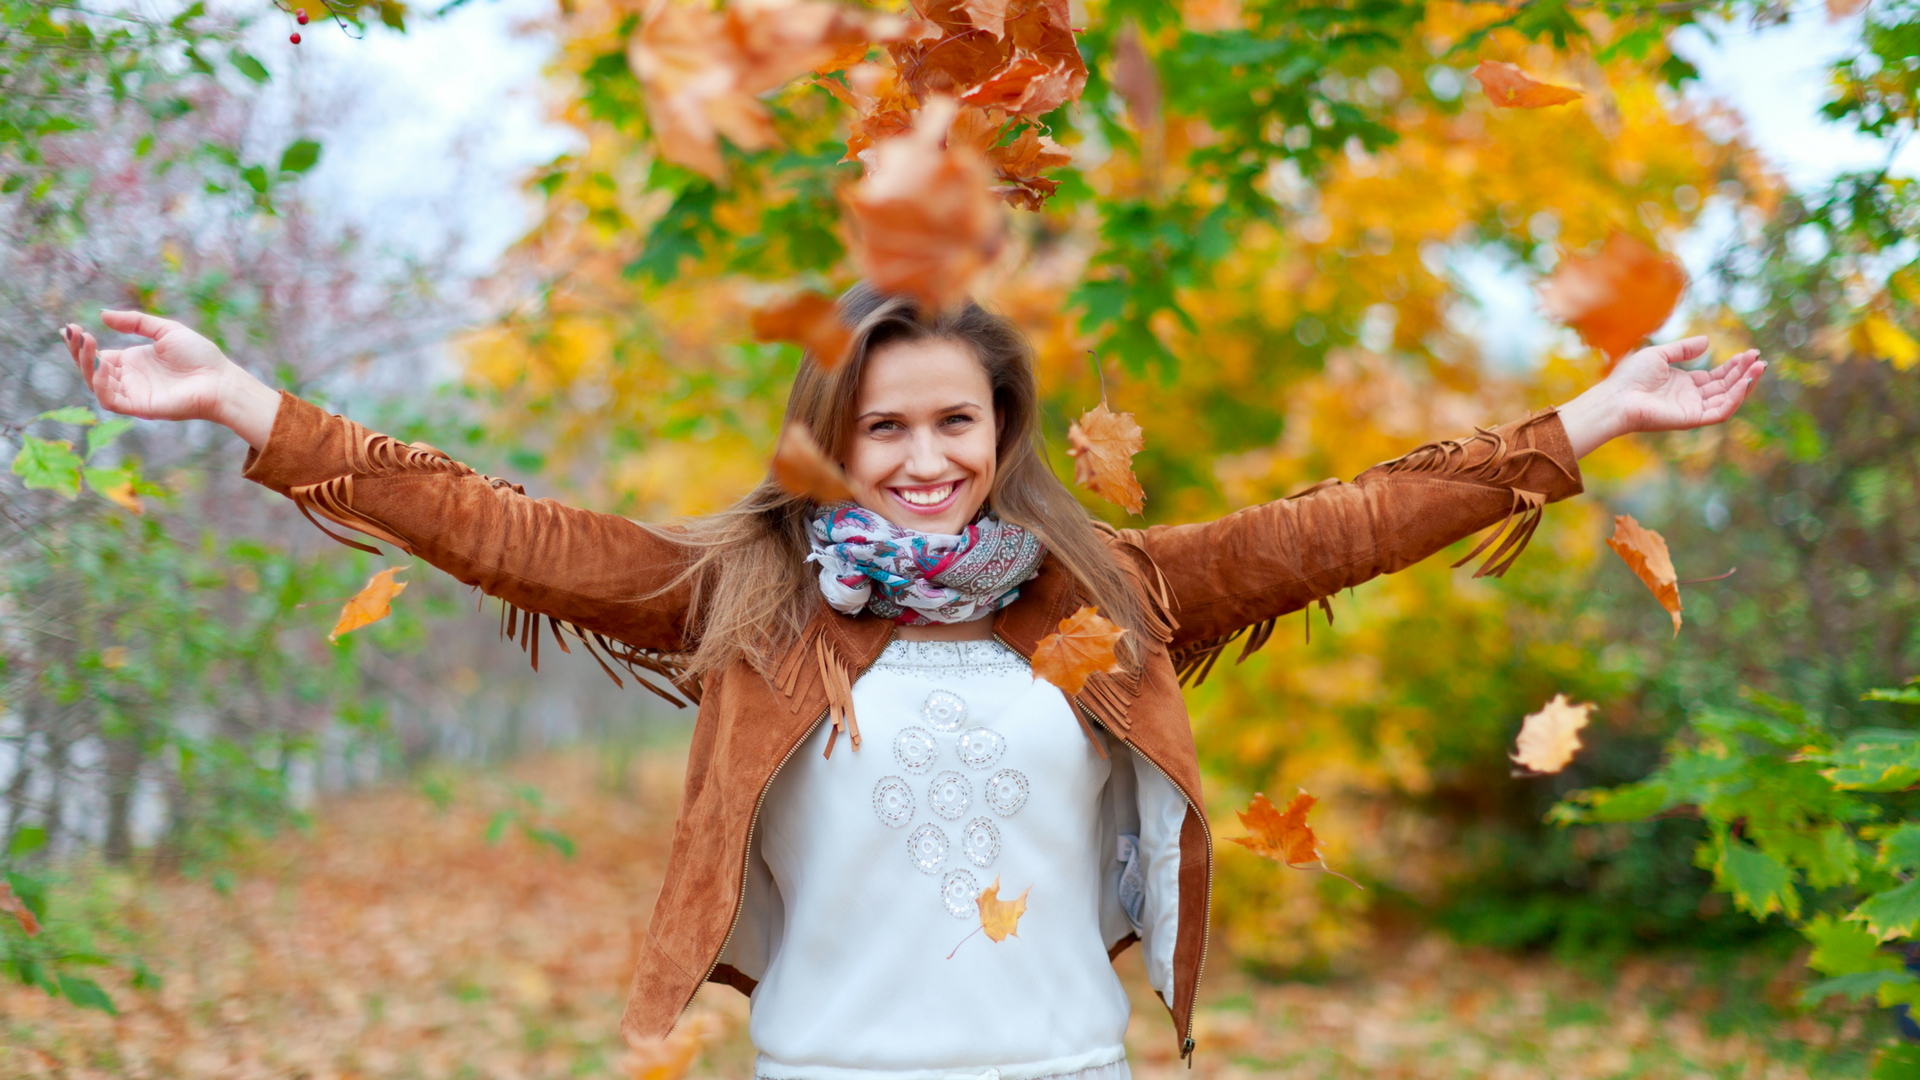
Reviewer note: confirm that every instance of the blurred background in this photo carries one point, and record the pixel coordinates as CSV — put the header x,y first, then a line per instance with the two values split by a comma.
x,y
1314,245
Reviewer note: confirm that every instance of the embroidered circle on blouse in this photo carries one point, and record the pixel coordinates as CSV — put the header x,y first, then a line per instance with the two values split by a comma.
x,y
1007,791
915,749
893,801
927,847
944,710
949,795
980,748
960,892
981,841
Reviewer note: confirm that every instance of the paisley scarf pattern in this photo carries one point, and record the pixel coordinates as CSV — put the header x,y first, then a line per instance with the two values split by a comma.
x,y
915,578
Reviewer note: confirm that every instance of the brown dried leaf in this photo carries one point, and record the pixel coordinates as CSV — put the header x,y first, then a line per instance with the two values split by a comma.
x,y
1083,647
925,220
1137,79
801,468
1510,88
18,908
988,15
1102,445
1549,738
1616,298
1001,918
809,320
1840,9
1026,85
371,604
1645,553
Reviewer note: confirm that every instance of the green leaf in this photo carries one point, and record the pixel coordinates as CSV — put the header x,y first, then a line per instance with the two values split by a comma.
x,y
48,465
300,156
1760,883
1897,1063
29,839
1829,856
1906,695
1856,987
31,891
1900,849
1873,759
256,178
109,430
558,841
1894,913
1841,947
86,993
497,828
71,414
253,69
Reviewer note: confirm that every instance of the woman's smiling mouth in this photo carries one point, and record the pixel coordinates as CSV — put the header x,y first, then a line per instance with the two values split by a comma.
x,y
928,498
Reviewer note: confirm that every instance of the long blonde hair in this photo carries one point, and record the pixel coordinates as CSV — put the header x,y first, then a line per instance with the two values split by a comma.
x,y
753,591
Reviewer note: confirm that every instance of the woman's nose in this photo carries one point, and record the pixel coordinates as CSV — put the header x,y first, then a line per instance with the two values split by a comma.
x,y
925,459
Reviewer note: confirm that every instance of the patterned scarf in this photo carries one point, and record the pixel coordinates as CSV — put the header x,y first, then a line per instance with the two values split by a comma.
x,y
916,578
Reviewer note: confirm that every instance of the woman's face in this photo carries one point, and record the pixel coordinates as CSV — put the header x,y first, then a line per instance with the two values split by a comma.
x,y
922,453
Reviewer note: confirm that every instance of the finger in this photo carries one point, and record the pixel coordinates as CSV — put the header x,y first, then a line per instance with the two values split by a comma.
x,y
87,357
137,322
1682,351
1727,374
71,339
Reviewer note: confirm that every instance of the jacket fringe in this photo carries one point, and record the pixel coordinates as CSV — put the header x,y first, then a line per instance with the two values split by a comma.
x,y
838,678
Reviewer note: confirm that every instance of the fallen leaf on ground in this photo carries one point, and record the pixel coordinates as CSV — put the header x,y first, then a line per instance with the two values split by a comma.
x,y
925,221
1616,298
1102,445
1001,918
17,907
809,320
1284,836
801,468
1083,647
371,604
1510,88
1645,553
671,1057
1549,738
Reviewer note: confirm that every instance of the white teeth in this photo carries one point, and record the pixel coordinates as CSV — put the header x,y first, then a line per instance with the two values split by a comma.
x,y
925,498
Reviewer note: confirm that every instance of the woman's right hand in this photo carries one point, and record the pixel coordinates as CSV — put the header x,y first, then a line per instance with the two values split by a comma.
x,y
181,376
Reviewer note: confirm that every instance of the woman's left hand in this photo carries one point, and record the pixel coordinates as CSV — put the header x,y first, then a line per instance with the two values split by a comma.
x,y
1645,392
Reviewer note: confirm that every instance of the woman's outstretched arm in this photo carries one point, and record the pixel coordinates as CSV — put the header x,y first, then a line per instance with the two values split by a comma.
x,y
599,572
1257,564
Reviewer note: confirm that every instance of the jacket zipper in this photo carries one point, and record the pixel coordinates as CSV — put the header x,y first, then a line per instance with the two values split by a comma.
x,y
1206,911
753,825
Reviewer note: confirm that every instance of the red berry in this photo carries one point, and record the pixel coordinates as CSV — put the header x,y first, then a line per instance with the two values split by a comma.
x,y
300,16
295,39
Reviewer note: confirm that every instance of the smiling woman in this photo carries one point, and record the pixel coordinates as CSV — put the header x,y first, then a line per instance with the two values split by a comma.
x,y
838,887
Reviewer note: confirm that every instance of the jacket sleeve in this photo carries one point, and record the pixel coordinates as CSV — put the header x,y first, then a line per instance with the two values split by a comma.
x,y
595,577
1220,578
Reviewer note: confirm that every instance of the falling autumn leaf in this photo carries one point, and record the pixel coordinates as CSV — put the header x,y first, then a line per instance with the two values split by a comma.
x,y
1645,553
925,220
801,468
18,908
1083,647
1840,9
1510,88
1001,918
1879,337
1137,79
988,15
883,102
809,320
371,604
1284,836
1102,445
1548,738
1616,298
701,70
670,1058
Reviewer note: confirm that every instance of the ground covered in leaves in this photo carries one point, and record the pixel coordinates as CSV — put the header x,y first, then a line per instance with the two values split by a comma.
x,y
441,929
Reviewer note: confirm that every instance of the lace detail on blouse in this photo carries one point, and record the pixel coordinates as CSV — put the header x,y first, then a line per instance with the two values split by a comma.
x,y
946,660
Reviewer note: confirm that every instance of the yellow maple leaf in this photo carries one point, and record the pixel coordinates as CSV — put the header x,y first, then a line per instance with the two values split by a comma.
x,y
1645,553
1549,738
1102,444
1083,647
1001,918
371,604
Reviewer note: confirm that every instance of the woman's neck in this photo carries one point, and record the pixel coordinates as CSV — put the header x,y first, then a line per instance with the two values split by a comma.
x,y
975,630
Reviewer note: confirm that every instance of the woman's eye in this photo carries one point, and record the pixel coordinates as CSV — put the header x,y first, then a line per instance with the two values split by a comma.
x,y
959,418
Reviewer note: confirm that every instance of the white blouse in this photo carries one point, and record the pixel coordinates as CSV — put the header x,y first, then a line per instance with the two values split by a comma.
x,y
860,917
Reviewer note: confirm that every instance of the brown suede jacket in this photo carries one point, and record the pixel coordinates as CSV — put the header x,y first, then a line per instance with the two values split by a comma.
x,y
596,578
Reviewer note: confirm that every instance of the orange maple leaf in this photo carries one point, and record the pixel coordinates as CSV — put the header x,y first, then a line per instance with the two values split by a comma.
x,y
1102,445
1284,836
1001,918
988,15
372,603
1510,88
1616,298
809,320
1035,42
925,221
669,1058
18,908
1549,738
1645,553
1083,647
801,468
